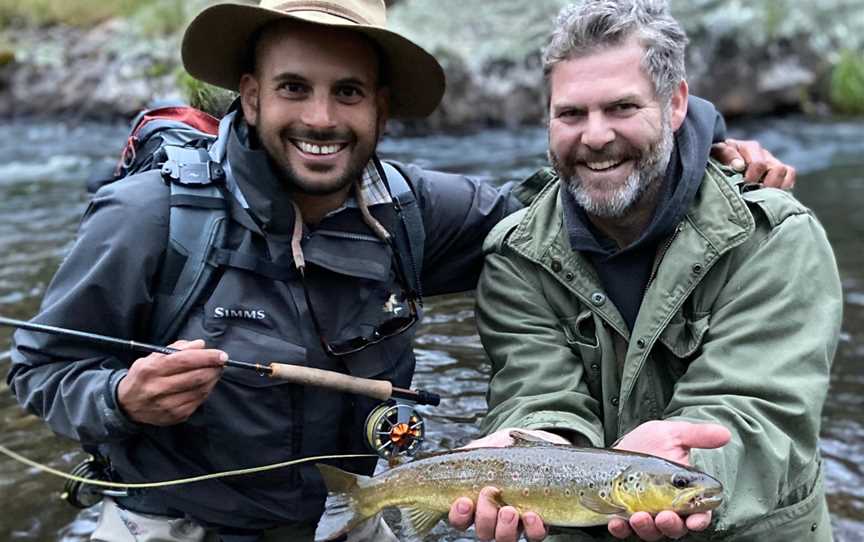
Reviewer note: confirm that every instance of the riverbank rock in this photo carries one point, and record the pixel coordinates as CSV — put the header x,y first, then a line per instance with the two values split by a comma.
x,y
749,58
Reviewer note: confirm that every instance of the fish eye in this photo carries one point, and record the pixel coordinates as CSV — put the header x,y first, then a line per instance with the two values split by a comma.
x,y
680,481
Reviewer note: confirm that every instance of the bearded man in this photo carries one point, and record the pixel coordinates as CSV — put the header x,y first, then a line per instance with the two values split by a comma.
x,y
648,301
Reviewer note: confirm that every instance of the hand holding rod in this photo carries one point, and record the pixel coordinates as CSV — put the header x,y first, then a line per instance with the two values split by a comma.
x,y
306,376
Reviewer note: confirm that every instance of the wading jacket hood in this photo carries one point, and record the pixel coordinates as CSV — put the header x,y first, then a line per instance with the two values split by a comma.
x,y
738,326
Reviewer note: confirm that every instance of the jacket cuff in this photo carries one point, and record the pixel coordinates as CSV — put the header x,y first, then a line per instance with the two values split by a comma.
x,y
116,421
556,422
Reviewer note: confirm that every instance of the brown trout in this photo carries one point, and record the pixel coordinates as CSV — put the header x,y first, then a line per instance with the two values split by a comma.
x,y
567,486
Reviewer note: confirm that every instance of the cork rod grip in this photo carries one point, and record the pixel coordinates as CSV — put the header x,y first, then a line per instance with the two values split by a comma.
x,y
307,376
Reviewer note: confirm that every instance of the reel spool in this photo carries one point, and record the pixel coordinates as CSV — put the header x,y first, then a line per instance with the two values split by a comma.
x,y
83,495
395,429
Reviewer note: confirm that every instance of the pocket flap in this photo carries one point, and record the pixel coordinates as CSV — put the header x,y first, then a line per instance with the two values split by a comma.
x,y
683,335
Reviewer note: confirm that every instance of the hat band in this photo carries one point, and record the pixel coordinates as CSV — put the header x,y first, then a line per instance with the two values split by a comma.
x,y
331,8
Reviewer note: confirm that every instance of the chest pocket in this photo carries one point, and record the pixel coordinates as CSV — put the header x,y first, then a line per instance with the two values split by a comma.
x,y
683,338
581,334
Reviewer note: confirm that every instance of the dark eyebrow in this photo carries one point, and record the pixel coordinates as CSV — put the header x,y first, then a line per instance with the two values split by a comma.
x,y
288,76
630,98
352,81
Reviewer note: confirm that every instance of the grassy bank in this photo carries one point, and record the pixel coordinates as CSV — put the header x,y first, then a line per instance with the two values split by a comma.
x,y
153,17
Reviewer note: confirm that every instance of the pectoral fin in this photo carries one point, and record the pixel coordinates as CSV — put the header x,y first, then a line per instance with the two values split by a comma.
x,y
417,522
598,505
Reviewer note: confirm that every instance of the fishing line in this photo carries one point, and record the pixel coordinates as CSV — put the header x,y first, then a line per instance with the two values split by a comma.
x,y
118,485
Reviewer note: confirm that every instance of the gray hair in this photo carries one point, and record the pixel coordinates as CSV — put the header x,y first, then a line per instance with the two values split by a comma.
x,y
590,25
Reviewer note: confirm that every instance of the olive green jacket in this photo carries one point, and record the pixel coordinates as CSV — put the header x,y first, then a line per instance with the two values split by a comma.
x,y
738,326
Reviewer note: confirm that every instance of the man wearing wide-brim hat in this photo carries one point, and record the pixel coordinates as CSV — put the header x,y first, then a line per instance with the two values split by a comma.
x,y
325,257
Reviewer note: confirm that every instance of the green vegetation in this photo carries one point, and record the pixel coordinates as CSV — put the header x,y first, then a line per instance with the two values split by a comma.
x,y
72,12
153,17
209,98
847,83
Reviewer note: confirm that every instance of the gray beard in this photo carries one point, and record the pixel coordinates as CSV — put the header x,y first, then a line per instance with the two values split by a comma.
x,y
647,171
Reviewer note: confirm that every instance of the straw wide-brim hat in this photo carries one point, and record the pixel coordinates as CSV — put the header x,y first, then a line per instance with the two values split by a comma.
x,y
216,46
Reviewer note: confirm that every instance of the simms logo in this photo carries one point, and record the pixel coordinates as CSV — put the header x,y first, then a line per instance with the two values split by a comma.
x,y
245,314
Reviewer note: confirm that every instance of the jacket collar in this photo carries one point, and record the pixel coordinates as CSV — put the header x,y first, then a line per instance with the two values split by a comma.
x,y
718,215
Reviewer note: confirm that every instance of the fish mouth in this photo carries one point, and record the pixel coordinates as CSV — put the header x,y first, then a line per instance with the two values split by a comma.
x,y
699,501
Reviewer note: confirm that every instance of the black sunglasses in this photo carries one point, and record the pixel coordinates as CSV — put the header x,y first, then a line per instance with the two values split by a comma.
x,y
385,330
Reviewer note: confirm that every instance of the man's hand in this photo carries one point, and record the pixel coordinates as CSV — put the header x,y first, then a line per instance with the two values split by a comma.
x,y
166,389
757,164
672,441
492,521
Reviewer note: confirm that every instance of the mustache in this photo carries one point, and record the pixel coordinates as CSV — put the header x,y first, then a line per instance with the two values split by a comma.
x,y
317,136
615,151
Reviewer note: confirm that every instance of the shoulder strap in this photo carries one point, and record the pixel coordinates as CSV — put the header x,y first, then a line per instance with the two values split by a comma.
x,y
196,227
413,242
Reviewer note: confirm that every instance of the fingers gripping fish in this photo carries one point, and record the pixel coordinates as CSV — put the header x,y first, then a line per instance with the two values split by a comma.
x,y
567,486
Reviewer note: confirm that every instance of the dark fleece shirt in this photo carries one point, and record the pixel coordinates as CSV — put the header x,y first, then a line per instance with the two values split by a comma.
x,y
624,272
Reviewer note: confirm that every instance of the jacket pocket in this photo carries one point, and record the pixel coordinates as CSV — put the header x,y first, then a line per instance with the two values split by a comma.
x,y
581,334
805,520
684,333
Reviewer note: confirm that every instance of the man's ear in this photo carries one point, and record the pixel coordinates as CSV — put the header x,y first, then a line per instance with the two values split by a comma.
x,y
679,104
249,89
382,99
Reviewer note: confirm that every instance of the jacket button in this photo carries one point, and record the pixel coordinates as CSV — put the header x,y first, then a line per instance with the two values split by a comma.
x,y
641,343
556,266
614,401
697,268
569,276
813,527
598,299
595,367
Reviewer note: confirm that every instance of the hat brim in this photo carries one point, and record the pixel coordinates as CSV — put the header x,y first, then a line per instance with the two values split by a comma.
x,y
216,50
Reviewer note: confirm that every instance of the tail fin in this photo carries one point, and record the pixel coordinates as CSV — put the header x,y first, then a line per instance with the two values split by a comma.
x,y
341,511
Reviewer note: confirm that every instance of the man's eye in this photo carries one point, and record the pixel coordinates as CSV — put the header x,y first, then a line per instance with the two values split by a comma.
x,y
624,107
570,114
292,88
349,94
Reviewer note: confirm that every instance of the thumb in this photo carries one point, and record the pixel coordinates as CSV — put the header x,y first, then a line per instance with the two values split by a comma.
x,y
704,435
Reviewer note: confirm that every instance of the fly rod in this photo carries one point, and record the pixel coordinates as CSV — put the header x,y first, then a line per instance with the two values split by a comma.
x,y
305,376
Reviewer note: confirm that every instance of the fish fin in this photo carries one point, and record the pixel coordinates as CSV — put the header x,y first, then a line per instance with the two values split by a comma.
x,y
341,512
521,438
417,522
596,504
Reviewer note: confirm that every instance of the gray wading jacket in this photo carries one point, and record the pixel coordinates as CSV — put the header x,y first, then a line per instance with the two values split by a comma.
x,y
107,285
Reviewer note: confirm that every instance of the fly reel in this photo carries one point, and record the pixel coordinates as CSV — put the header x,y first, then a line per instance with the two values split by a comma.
x,y
394,430
80,494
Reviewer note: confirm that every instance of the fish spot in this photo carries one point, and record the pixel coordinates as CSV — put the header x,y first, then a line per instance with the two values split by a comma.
x,y
546,491
525,492
602,494
567,492
581,492
591,485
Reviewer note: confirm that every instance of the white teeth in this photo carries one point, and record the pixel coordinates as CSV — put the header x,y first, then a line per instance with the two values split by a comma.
x,y
599,166
311,148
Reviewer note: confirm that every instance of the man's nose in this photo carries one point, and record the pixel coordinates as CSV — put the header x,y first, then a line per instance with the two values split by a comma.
x,y
598,132
318,112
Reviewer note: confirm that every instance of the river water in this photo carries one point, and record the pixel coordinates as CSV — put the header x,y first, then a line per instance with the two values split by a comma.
x,y
43,168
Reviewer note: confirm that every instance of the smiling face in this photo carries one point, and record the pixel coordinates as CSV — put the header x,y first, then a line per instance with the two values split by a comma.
x,y
610,135
316,104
